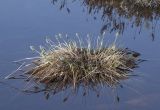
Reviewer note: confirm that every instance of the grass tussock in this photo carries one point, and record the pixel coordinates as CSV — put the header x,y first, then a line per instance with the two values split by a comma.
x,y
71,64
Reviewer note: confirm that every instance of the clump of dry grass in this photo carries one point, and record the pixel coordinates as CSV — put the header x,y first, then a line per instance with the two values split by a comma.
x,y
70,64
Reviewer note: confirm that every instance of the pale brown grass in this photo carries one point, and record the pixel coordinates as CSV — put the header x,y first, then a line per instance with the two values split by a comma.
x,y
67,65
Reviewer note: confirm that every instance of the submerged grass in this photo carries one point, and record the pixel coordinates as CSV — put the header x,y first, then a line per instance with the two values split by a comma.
x,y
70,64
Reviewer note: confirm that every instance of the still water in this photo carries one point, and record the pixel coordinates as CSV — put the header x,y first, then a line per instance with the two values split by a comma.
x,y
24,23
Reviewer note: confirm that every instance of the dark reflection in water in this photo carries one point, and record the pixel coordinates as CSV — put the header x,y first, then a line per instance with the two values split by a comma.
x,y
117,14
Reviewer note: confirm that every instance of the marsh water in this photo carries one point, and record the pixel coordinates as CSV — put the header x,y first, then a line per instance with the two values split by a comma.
x,y
24,23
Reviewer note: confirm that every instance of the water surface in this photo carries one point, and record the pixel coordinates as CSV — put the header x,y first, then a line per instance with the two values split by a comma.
x,y
24,23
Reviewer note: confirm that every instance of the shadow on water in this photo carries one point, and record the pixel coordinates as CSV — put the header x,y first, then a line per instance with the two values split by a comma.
x,y
118,14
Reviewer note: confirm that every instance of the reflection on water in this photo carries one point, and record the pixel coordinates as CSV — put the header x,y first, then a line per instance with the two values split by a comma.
x,y
117,14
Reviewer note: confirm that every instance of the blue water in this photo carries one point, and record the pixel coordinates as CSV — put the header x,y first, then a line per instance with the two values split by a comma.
x,y
24,23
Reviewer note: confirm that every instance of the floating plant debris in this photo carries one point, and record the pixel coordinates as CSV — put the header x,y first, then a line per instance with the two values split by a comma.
x,y
69,64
